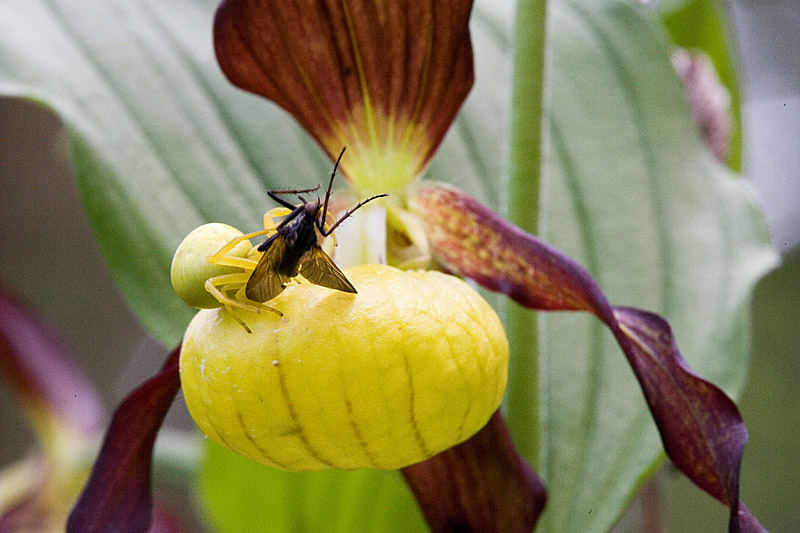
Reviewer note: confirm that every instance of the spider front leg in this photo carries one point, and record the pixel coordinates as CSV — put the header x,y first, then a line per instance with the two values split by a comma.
x,y
221,257
221,287
269,217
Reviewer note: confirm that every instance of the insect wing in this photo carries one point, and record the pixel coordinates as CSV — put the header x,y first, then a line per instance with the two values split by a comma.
x,y
266,282
317,267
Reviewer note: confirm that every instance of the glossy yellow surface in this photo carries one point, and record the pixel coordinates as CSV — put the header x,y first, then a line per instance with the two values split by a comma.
x,y
413,364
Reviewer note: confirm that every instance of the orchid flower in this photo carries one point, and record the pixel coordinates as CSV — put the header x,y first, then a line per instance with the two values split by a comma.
x,y
330,67
386,80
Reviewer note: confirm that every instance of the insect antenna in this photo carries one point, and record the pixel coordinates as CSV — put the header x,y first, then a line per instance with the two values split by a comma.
x,y
321,221
348,213
330,185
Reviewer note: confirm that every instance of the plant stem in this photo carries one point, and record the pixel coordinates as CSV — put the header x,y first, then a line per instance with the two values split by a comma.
x,y
528,110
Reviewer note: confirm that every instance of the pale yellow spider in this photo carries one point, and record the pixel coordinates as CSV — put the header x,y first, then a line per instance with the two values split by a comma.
x,y
229,289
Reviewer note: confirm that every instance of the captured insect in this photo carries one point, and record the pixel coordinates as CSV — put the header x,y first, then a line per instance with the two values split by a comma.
x,y
293,248
236,276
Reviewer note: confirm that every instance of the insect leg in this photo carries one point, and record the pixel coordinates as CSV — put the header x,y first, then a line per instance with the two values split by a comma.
x,y
275,192
326,225
293,191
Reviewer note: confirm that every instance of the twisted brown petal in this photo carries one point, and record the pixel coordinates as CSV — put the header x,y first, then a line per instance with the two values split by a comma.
x,y
383,78
700,426
118,495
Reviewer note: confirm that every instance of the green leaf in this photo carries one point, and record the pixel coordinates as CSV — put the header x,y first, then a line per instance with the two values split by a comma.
x,y
162,143
631,193
244,496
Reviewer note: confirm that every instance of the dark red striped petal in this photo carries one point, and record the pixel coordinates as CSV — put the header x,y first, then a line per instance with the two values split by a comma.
x,y
384,79
118,496
700,426
482,484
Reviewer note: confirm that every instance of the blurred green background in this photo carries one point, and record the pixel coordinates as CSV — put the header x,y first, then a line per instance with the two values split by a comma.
x,y
47,254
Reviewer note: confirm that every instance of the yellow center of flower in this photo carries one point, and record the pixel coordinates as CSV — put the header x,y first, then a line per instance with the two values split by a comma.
x,y
384,153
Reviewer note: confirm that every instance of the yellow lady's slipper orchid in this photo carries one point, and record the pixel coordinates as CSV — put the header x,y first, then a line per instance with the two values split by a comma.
x,y
413,364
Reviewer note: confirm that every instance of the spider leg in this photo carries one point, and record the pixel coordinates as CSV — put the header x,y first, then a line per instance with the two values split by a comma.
x,y
221,257
233,314
219,286
241,296
269,216
226,302
291,216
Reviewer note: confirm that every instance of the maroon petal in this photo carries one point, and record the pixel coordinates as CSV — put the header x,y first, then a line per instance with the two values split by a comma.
x,y
700,427
118,495
383,78
43,373
746,521
480,485
704,434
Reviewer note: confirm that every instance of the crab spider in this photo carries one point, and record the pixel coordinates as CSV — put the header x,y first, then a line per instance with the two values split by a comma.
x,y
229,289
